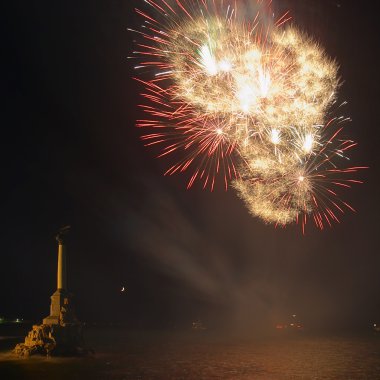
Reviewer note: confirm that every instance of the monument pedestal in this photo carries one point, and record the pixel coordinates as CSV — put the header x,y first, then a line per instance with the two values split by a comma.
x,y
57,302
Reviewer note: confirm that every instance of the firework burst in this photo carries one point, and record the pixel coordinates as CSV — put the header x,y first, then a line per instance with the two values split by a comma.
x,y
302,186
246,100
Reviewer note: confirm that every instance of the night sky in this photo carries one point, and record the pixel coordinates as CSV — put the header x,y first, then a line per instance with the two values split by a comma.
x,y
72,155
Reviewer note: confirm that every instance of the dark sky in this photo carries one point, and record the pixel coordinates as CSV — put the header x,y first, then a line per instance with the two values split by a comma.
x,y
71,155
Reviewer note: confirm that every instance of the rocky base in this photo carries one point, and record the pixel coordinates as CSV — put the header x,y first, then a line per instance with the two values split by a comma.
x,y
53,340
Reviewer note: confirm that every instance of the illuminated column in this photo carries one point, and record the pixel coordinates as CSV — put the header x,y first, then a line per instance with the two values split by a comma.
x,y
61,269
61,294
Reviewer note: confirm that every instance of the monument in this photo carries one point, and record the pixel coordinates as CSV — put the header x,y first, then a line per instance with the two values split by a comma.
x,y
60,332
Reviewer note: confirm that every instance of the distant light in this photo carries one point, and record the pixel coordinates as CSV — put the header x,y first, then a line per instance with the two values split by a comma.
x,y
374,325
301,178
246,96
264,82
208,60
275,136
308,143
225,66
123,289
219,131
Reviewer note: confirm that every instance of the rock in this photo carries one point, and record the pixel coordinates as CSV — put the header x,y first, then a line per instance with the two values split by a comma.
x,y
53,340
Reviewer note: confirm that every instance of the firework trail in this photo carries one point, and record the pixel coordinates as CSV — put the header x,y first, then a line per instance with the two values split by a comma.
x,y
246,100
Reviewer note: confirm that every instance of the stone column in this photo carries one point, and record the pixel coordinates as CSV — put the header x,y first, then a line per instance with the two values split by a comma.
x,y
59,296
61,269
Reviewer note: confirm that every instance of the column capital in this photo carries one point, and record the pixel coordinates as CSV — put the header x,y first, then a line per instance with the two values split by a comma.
x,y
61,232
